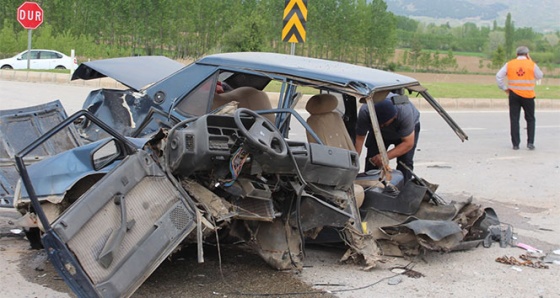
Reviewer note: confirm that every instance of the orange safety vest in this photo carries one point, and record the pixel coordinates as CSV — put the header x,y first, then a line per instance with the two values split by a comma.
x,y
521,77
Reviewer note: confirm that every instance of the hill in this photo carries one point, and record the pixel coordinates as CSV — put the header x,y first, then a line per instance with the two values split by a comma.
x,y
542,15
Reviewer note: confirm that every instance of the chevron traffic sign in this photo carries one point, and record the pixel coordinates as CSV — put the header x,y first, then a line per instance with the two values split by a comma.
x,y
295,17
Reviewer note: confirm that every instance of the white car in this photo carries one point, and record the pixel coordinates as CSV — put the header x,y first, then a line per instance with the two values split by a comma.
x,y
40,59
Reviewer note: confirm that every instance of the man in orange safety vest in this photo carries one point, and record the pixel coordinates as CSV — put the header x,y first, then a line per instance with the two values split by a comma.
x,y
521,74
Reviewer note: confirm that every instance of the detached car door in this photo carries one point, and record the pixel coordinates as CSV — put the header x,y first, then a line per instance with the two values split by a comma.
x,y
110,240
117,233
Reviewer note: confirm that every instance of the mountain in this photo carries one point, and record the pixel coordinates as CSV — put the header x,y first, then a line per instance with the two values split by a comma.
x,y
541,15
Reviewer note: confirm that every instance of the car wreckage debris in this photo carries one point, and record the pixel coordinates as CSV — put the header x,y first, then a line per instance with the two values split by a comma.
x,y
193,173
500,233
407,270
526,261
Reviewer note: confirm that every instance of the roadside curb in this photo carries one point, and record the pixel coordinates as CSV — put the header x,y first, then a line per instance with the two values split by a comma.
x,y
56,78
449,104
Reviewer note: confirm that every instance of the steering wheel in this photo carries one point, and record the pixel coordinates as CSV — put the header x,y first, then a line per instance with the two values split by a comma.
x,y
262,134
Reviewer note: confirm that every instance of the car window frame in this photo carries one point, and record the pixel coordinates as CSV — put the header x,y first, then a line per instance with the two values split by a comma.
x,y
203,91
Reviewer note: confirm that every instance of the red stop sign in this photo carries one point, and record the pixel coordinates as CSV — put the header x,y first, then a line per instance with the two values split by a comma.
x,y
30,15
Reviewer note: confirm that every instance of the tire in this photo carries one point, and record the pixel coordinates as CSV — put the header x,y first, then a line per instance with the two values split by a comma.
x,y
60,67
34,237
6,67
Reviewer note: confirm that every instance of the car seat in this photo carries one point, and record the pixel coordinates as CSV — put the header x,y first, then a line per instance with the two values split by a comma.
x,y
329,127
247,97
327,123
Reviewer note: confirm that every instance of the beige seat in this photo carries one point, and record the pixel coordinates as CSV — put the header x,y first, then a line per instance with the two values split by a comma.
x,y
329,127
327,123
247,97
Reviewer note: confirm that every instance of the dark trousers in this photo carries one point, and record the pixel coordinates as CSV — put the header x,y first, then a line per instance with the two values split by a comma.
x,y
517,102
407,158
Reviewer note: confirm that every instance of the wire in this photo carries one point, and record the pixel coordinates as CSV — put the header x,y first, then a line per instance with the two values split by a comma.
x,y
236,163
315,292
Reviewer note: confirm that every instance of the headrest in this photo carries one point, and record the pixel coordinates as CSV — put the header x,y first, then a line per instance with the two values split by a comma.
x,y
321,104
244,93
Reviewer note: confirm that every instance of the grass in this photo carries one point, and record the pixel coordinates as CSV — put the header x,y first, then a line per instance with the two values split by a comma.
x,y
454,90
274,86
469,90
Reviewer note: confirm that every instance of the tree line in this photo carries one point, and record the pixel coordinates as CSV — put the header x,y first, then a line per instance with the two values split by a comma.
x,y
355,31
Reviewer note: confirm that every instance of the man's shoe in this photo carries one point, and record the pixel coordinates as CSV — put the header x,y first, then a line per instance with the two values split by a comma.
x,y
531,146
515,147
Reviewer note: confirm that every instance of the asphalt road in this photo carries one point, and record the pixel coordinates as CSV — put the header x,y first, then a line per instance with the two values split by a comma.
x,y
522,186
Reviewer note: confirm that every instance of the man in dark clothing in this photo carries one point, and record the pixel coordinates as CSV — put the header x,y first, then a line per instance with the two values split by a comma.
x,y
400,126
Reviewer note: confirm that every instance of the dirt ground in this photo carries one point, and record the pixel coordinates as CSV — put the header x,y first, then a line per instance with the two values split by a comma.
x,y
232,273
472,64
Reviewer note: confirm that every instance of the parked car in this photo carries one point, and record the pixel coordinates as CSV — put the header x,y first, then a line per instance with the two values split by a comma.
x,y
198,154
39,59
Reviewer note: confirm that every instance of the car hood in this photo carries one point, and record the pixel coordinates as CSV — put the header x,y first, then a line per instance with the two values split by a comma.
x,y
133,72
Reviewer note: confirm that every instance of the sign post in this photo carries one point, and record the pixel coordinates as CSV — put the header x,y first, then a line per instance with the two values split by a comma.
x,y
30,16
295,18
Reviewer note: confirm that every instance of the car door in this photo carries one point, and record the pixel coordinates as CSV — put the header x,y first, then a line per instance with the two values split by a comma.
x,y
22,60
110,240
118,232
46,60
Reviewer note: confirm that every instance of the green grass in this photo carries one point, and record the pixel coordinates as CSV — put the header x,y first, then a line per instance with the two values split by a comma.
x,y
453,90
469,90
274,86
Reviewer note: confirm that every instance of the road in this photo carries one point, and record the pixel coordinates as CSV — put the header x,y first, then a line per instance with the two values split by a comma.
x,y
522,186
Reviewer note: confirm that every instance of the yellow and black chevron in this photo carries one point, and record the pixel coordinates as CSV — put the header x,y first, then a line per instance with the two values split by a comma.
x,y
295,17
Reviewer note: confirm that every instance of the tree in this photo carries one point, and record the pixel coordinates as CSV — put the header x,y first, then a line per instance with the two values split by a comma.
x,y
8,42
498,58
509,34
449,61
246,36
436,61
381,38
356,31
415,52
425,60
404,60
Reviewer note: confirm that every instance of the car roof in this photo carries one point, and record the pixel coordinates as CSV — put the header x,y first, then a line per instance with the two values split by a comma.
x,y
360,78
139,72
43,50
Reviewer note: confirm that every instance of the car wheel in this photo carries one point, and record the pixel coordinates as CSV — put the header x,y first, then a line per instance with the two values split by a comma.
x,y
60,67
6,67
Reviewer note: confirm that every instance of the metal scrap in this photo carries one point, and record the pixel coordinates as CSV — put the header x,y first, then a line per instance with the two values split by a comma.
x,y
501,233
526,261
407,270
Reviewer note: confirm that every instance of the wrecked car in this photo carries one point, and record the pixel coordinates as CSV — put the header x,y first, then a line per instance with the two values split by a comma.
x,y
198,154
